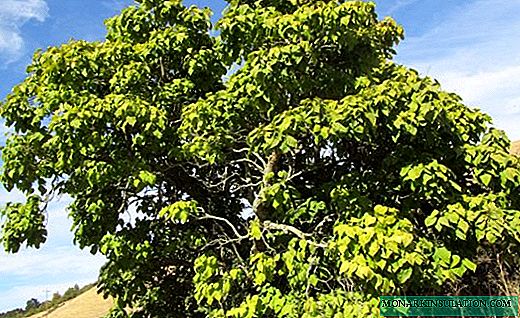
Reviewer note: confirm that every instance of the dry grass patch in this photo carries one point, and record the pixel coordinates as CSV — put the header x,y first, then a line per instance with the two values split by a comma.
x,y
87,305
515,147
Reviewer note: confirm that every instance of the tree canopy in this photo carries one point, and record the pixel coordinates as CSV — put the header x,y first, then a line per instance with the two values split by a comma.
x,y
277,164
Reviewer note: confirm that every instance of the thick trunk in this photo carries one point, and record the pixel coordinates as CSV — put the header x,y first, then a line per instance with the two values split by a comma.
x,y
261,208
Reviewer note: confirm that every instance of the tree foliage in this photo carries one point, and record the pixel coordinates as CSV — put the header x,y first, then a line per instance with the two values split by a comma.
x,y
285,167
32,304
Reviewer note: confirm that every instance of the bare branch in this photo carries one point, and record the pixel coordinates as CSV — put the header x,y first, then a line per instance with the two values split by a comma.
x,y
218,218
223,242
291,229
254,164
248,185
264,163
240,150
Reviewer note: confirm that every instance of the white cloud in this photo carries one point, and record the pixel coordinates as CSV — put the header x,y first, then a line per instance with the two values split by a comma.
x,y
399,4
13,196
51,265
115,5
474,52
13,14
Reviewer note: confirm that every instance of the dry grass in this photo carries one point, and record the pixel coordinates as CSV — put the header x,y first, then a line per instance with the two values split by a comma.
x,y
515,147
87,305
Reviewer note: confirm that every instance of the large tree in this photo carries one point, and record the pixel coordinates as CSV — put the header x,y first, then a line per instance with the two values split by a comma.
x,y
285,167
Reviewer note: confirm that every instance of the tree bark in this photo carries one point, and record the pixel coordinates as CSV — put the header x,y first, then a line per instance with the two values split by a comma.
x,y
261,208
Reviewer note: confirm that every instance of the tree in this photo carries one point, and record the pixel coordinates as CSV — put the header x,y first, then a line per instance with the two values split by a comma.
x,y
56,297
284,168
32,303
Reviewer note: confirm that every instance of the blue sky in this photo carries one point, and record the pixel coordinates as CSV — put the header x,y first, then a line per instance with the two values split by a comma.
x,y
470,46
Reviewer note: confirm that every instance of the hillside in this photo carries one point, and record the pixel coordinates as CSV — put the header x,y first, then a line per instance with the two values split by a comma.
x,y
87,305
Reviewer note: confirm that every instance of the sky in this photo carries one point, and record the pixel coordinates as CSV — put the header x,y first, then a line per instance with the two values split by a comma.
x,y
470,46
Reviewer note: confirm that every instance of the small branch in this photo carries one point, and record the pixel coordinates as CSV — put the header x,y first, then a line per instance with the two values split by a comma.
x,y
249,185
163,75
502,276
223,242
254,164
260,158
240,150
291,229
322,223
212,217
311,267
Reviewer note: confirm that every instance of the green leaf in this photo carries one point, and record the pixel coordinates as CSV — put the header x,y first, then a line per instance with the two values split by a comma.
x,y
463,226
404,275
415,173
443,254
380,210
363,271
485,178
147,177
459,271
456,186
469,264
455,261
255,231
460,234
313,280
131,120
345,266
431,219
291,141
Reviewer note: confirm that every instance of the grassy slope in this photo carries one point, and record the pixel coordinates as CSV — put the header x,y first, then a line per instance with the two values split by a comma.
x,y
87,305
515,147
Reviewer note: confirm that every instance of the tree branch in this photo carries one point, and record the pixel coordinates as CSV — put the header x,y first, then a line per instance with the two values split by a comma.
x,y
291,229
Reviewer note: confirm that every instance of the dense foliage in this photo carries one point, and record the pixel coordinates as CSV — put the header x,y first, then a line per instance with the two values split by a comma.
x,y
284,168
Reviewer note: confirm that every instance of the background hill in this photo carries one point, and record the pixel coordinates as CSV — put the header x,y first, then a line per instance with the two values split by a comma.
x,y
86,305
